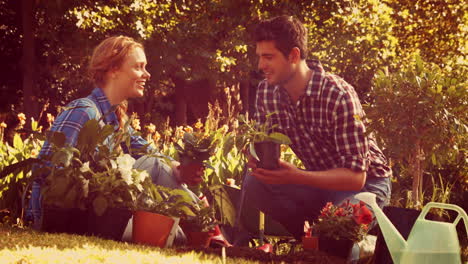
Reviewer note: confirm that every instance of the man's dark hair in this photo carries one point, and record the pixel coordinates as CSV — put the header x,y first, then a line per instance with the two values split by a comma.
x,y
286,32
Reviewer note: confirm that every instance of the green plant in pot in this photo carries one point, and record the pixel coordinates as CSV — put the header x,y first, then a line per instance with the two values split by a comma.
x,y
264,142
64,193
200,228
159,210
339,227
194,150
93,178
113,194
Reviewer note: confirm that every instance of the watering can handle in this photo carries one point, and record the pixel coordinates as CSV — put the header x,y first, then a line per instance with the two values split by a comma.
x,y
458,209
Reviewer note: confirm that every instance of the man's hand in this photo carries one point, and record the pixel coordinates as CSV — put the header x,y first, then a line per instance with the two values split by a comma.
x,y
286,174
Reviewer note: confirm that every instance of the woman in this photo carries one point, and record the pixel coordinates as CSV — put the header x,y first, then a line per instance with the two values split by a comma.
x,y
118,69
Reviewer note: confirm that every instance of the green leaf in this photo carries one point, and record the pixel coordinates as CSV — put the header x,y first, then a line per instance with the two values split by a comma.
x,y
253,152
24,165
17,141
58,139
62,157
106,131
100,205
280,138
70,198
88,136
58,188
228,145
227,209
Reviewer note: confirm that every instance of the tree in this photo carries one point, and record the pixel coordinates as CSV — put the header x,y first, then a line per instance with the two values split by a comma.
x,y
419,116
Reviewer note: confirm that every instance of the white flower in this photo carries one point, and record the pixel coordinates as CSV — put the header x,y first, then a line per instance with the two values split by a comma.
x,y
85,167
126,175
113,164
139,187
141,176
125,162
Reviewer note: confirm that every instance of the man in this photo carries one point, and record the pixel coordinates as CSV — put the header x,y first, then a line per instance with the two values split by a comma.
x,y
322,115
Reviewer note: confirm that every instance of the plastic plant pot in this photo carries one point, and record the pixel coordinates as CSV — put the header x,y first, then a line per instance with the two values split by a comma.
x,y
340,248
110,225
199,239
153,229
268,154
310,243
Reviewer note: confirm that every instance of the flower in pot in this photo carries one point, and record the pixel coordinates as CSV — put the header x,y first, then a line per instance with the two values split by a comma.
x,y
200,227
309,241
339,227
264,143
93,174
159,210
113,193
195,149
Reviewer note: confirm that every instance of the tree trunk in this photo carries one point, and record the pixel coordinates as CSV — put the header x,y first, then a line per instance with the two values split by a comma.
x,y
180,102
28,60
417,174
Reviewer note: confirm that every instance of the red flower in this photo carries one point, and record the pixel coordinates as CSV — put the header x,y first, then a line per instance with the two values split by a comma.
x,y
326,209
362,215
340,212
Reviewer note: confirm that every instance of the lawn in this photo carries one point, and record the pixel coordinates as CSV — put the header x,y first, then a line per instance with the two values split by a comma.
x,y
24,245
28,246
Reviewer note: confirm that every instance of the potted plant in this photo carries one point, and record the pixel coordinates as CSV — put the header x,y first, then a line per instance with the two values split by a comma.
x,y
90,187
263,141
64,196
339,227
200,228
64,189
158,213
309,241
193,150
113,196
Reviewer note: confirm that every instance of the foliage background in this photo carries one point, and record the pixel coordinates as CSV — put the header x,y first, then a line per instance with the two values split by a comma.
x,y
198,49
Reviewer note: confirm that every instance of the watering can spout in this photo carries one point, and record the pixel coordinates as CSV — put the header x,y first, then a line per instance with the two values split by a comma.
x,y
395,242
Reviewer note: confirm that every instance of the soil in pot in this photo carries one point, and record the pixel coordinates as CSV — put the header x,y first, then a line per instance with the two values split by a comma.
x,y
199,239
340,248
268,154
153,229
110,225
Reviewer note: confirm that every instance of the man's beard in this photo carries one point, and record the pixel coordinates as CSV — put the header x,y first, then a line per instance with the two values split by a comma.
x,y
288,78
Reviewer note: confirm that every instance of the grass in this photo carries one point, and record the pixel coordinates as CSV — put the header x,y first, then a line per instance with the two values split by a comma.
x,y
29,246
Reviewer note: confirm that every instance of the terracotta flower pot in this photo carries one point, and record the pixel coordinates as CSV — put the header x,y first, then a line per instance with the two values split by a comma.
x,y
310,243
268,154
199,239
110,225
153,229
339,248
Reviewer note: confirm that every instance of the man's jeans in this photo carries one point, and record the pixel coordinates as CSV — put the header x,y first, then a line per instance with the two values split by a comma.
x,y
292,204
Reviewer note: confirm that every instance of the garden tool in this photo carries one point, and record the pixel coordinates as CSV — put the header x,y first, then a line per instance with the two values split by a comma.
x,y
428,242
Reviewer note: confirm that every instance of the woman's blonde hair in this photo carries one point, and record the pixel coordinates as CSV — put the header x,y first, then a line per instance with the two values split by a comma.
x,y
109,55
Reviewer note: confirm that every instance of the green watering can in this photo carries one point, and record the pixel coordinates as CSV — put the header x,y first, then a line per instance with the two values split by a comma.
x,y
428,242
